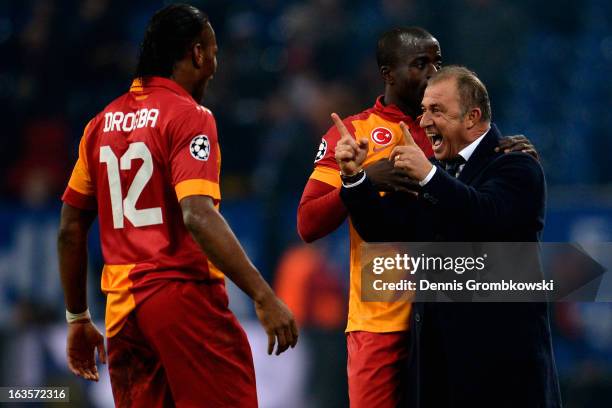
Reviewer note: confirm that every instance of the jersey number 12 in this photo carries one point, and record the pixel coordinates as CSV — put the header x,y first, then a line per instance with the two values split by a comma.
x,y
127,206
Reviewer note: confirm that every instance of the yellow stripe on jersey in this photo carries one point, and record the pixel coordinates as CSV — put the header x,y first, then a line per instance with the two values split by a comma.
x,y
80,180
374,317
192,187
215,273
120,302
327,175
136,85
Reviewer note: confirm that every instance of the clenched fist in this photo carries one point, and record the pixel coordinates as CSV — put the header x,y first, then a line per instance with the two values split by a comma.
x,y
410,157
350,153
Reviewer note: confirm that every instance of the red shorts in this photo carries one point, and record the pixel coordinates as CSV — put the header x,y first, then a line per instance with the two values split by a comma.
x,y
182,347
377,368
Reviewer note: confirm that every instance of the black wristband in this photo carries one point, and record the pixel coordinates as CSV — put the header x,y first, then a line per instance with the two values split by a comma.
x,y
352,179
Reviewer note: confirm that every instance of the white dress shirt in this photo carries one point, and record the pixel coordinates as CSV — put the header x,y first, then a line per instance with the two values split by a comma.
x,y
466,153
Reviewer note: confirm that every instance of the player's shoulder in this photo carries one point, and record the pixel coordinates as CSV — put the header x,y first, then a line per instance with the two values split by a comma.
x,y
202,112
189,111
364,114
193,120
333,134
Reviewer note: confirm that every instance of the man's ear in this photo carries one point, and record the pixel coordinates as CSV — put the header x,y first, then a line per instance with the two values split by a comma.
x,y
387,76
197,55
473,117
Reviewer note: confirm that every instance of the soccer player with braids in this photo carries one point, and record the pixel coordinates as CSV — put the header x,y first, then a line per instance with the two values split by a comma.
x,y
148,167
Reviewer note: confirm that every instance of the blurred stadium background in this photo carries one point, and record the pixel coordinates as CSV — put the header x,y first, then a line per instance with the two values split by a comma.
x,y
283,67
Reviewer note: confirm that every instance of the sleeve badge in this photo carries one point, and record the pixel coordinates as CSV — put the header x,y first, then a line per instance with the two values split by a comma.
x,y
200,148
322,150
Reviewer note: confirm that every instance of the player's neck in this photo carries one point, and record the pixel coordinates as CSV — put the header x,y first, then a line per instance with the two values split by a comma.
x,y
181,77
391,99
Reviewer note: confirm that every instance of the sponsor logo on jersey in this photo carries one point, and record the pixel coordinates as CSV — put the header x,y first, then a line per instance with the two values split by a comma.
x,y
200,148
379,149
381,136
322,150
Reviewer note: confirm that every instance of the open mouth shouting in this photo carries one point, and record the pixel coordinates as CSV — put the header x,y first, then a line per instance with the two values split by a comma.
x,y
436,140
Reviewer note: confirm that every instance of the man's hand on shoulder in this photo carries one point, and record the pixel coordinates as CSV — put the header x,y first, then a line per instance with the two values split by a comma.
x,y
350,153
517,143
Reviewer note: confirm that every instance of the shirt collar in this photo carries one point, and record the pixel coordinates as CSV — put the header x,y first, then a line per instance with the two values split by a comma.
x,y
392,112
140,84
468,150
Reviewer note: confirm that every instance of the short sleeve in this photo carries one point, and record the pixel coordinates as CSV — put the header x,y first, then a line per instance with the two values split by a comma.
x,y
326,169
195,157
80,191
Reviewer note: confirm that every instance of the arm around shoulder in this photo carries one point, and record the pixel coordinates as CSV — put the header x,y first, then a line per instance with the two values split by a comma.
x,y
513,191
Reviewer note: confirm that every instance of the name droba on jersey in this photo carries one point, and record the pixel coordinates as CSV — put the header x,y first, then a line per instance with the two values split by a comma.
x,y
126,122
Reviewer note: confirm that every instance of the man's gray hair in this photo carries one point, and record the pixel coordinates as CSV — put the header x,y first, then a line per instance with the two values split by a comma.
x,y
472,92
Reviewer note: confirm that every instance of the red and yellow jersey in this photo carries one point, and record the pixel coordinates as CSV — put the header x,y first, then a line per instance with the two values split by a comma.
x,y
380,125
138,158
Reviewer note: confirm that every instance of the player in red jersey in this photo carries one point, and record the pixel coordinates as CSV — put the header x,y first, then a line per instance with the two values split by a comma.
x,y
149,166
377,332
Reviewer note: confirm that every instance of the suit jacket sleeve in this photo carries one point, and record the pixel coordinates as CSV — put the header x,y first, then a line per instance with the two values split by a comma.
x,y
389,218
512,195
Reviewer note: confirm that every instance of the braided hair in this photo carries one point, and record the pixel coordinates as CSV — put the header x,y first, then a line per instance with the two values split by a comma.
x,y
169,35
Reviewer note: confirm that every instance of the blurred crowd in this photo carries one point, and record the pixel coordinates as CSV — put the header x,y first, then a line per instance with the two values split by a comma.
x,y
284,66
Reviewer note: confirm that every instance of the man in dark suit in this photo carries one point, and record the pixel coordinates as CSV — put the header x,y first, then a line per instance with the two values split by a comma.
x,y
468,355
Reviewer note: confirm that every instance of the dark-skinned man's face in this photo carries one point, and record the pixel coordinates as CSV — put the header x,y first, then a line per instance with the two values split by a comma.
x,y
208,49
418,60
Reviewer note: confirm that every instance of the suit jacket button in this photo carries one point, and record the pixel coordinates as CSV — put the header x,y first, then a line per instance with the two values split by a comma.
x,y
417,317
426,195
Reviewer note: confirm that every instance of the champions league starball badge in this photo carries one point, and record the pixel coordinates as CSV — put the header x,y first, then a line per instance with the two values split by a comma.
x,y
322,150
200,148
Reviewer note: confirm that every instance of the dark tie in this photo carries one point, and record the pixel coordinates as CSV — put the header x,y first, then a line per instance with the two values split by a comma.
x,y
452,165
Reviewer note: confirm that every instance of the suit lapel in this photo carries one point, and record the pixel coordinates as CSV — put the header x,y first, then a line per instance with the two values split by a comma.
x,y
481,155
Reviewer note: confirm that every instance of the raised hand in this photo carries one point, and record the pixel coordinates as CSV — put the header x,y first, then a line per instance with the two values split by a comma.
x,y
517,143
278,322
350,153
83,340
410,157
